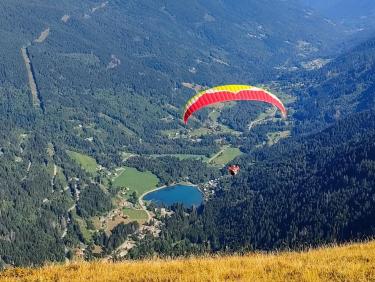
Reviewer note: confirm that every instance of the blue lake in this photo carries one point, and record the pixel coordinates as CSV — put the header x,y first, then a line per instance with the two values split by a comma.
x,y
187,195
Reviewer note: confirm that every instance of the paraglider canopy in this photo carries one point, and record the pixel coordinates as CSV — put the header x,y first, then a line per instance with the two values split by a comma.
x,y
233,169
230,93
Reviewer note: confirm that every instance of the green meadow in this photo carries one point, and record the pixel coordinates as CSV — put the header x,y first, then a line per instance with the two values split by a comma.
x,y
136,215
226,156
135,180
87,163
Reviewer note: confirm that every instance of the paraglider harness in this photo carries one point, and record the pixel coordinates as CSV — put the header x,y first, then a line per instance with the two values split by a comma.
x,y
233,169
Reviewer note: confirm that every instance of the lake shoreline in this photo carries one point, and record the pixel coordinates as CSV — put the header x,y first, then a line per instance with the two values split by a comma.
x,y
184,183
171,185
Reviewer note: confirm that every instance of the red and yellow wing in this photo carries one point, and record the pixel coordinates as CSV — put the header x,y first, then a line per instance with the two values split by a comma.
x,y
230,93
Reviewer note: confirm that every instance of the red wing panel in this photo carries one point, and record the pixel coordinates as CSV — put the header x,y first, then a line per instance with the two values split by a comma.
x,y
222,96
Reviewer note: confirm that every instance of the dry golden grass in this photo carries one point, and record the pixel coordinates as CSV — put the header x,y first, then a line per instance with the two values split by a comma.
x,y
355,262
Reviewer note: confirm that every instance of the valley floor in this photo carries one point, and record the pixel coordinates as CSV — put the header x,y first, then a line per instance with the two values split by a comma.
x,y
352,262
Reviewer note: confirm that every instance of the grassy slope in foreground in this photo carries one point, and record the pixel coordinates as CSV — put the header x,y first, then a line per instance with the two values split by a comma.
x,y
355,262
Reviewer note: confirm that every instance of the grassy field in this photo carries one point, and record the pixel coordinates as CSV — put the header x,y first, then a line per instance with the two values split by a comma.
x,y
226,156
275,137
126,155
82,226
221,158
200,132
88,163
171,133
135,180
183,156
354,262
136,215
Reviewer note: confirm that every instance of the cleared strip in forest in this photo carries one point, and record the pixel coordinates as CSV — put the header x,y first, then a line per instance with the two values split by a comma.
x,y
30,74
43,36
101,6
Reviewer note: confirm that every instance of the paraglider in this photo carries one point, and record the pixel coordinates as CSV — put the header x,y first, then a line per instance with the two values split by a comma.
x,y
230,93
233,169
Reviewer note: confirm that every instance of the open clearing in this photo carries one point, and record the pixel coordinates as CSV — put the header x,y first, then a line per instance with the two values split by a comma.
x,y
225,156
87,163
193,86
136,215
82,226
43,36
182,157
30,75
135,180
275,137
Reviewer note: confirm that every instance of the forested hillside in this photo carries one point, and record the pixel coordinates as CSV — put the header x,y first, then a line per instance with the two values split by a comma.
x,y
301,192
318,98
161,39
342,87
347,11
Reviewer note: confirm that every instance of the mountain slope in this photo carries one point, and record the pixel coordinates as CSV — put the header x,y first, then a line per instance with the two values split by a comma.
x,y
342,87
129,59
162,39
356,14
343,9
304,191
354,262
119,44
307,191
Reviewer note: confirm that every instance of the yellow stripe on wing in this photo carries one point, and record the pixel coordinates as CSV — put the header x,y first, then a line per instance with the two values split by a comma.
x,y
231,88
